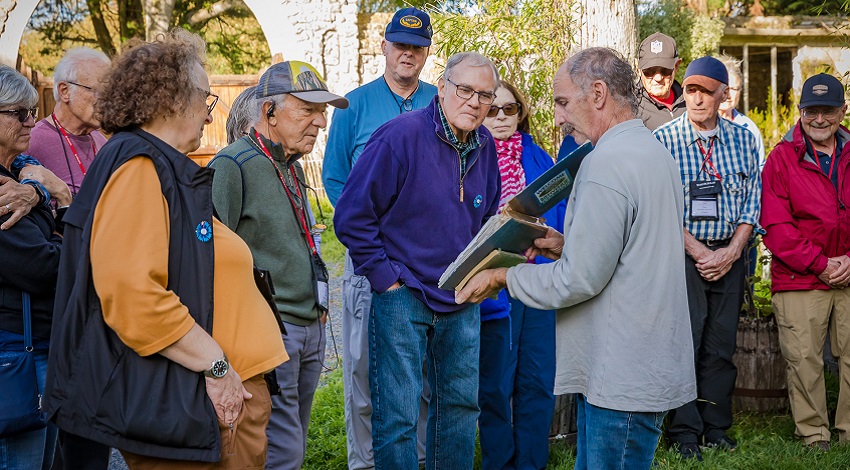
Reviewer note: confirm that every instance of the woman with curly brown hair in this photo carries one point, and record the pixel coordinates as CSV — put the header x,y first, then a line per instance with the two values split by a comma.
x,y
163,336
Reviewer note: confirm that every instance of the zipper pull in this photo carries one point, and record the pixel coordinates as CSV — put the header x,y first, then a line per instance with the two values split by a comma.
x,y
461,191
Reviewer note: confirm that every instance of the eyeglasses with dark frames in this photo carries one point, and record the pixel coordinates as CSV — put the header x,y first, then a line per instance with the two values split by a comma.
x,y
464,92
23,113
81,85
509,109
212,100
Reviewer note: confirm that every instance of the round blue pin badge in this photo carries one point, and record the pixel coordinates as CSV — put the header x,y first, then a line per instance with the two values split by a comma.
x,y
203,231
476,203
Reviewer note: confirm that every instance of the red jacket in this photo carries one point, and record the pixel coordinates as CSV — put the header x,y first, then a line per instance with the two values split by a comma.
x,y
805,218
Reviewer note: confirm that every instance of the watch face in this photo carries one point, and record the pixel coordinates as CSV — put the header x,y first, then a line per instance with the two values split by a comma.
x,y
219,368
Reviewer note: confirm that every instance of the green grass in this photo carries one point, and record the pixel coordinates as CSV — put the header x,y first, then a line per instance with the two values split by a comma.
x,y
332,250
765,442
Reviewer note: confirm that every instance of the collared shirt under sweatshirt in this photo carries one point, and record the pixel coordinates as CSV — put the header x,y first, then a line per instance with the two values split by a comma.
x,y
406,213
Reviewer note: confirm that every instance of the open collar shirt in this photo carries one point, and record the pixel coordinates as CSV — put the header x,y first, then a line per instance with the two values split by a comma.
x,y
463,148
734,155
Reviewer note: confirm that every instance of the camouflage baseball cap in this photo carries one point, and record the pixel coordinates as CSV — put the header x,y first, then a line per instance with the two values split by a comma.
x,y
299,79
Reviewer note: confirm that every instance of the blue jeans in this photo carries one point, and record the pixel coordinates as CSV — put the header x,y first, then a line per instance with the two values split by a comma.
x,y
515,391
32,450
610,439
404,333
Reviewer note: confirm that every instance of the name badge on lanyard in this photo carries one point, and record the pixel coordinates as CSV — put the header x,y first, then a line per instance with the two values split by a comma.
x,y
705,200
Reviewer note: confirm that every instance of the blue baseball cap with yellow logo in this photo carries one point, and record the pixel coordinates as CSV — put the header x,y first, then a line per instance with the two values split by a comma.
x,y
410,26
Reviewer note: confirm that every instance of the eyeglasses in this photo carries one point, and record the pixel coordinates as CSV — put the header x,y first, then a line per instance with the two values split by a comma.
x,y
464,92
509,109
81,85
212,100
829,113
23,113
653,71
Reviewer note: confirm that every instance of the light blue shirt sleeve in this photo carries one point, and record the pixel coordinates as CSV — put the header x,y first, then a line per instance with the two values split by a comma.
x,y
339,154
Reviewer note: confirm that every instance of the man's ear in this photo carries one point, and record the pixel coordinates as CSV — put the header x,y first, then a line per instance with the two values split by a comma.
x,y
269,112
599,93
384,46
64,92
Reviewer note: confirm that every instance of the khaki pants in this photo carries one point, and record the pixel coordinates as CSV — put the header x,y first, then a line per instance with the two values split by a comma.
x,y
243,447
803,318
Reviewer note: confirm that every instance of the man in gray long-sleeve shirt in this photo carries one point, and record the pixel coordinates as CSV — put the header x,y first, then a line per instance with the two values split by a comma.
x,y
619,279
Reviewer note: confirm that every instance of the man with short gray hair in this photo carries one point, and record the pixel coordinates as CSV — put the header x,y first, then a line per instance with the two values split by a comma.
x,y
629,362
66,141
260,192
424,185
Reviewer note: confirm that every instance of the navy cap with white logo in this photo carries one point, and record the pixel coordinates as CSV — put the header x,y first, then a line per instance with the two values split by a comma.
x,y
410,26
822,90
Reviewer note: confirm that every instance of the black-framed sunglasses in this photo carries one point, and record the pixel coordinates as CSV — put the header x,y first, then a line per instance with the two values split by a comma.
x,y
81,85
23,113
212,100
464,92
509,109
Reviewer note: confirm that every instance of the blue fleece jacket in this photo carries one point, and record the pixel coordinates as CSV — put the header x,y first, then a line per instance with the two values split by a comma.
x,y
535,161
405,212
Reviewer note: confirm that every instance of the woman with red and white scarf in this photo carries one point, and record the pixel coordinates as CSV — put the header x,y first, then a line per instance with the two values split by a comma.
x,y
517,372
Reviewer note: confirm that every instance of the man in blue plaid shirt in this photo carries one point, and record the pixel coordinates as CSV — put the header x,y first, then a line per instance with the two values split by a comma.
x,y
718,161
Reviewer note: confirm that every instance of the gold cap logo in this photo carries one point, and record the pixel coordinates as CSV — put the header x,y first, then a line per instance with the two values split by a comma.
x,y
410,21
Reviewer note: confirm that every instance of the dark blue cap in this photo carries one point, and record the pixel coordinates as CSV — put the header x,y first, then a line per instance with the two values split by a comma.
x,y
822,90
410,26
706,72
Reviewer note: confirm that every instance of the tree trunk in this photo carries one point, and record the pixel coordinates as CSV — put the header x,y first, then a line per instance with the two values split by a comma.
x,y
101,32
157,17
131,19
606,23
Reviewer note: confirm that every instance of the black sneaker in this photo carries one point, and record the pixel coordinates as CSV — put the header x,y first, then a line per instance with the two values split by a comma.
x,y
689,450
722,442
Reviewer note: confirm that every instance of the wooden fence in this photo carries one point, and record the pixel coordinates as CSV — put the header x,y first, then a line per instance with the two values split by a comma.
x,y
227,87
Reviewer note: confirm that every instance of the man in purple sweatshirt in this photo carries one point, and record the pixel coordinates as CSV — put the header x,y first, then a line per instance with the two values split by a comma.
x,y
422,188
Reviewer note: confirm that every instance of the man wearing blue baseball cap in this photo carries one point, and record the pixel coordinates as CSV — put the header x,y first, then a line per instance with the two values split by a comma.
x,y
719,165
398,90
805,189
259,191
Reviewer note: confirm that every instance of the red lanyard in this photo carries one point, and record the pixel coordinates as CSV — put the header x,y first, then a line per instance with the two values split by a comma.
x,y
71,144
817,157
302,217
707,158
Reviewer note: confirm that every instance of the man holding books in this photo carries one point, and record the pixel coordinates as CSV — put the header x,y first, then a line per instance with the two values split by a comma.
x,y
618,282
422,188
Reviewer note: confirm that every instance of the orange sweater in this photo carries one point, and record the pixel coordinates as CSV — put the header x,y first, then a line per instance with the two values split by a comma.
x,y
129,257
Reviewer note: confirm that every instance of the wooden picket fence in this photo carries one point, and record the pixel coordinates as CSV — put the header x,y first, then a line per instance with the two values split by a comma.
x,y
227,87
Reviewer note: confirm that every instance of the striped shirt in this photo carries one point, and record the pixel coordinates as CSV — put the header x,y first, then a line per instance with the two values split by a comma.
x,y
463,148
735,156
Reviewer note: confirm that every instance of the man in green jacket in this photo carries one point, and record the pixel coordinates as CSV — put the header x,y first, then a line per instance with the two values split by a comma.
x,y
260,192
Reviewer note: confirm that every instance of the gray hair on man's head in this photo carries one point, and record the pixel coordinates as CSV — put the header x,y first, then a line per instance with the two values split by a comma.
x,y
608,66
733,65
239,119
255,115
471,59
15,89
68,68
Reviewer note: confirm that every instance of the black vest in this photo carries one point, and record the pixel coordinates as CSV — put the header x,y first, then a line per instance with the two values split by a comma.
x,y
97,387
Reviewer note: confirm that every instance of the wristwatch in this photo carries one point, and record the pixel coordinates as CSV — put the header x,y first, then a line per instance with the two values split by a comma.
x,y
218,369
